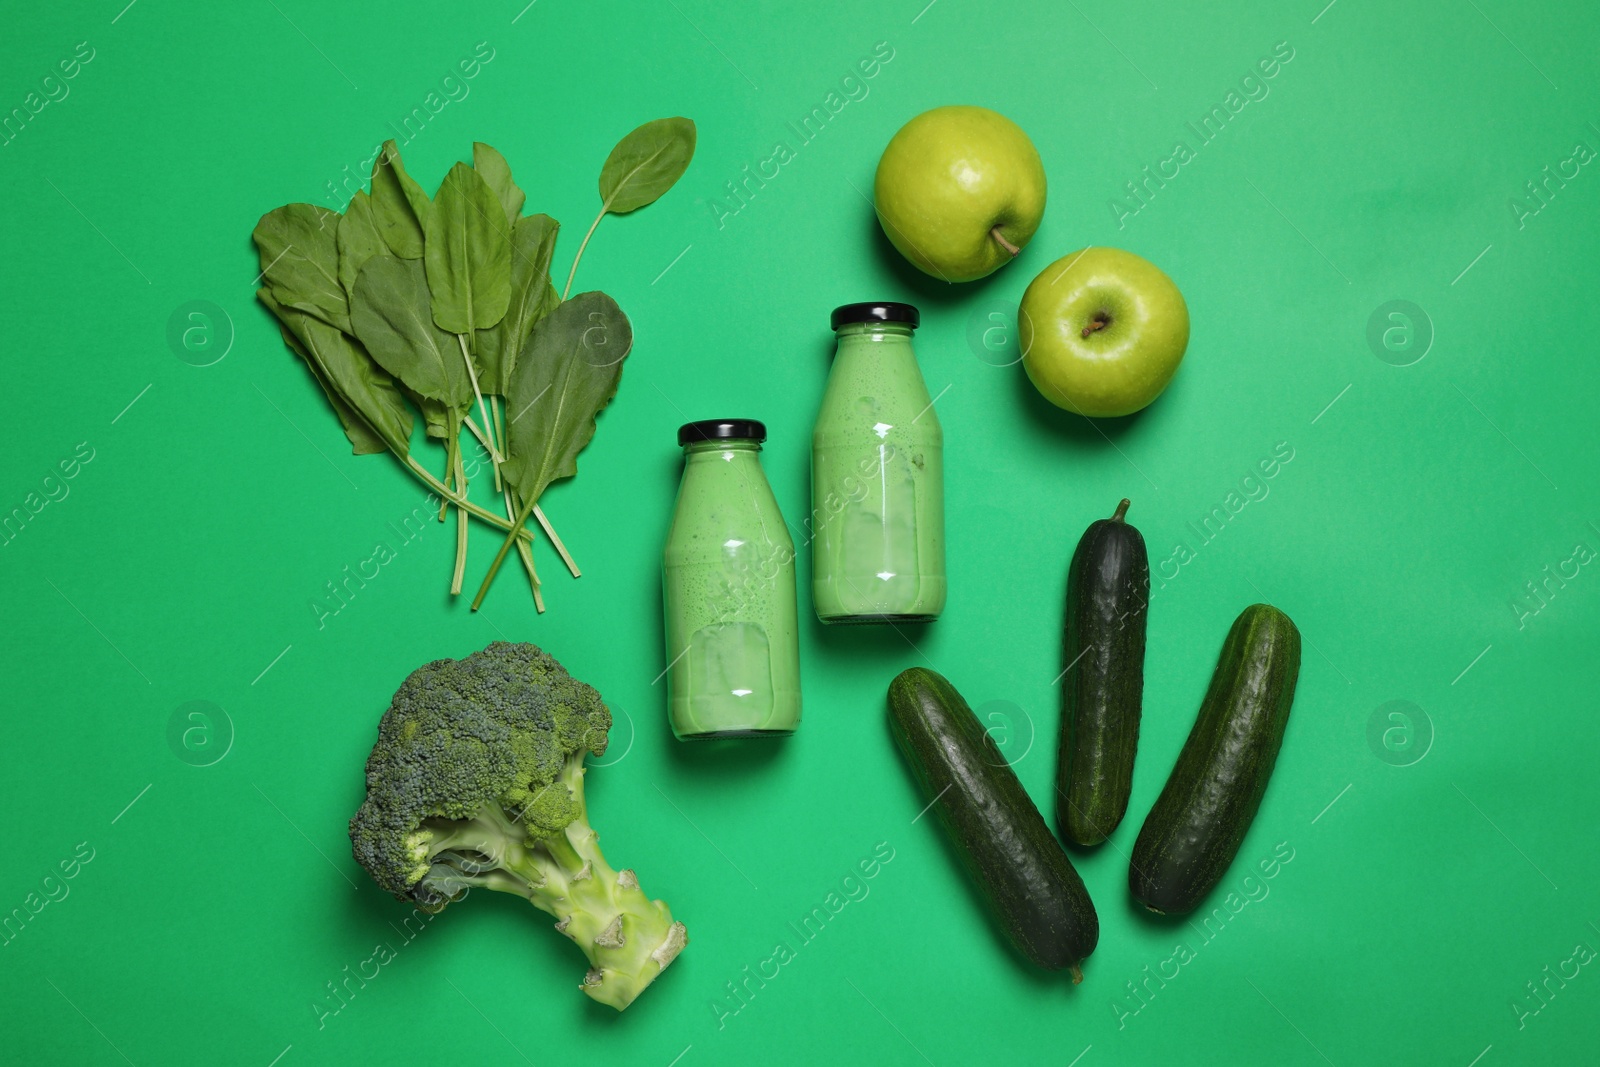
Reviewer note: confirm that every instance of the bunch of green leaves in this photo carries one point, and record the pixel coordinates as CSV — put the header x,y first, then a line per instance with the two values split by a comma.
x,y
445,306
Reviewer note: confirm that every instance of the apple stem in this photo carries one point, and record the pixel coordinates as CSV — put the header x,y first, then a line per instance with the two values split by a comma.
x,y
1005,244
1122,509
1099,322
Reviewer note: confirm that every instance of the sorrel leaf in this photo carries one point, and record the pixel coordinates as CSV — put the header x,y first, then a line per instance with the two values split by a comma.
x,y
359,239
493,168
468,254
399,204
391,316
300,261
645,164
532,298
565,374
364,396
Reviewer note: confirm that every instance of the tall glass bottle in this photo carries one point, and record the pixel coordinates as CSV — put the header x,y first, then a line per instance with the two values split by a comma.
x,y
877,477
733,641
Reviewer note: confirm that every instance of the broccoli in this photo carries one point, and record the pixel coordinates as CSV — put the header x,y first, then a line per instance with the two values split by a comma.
x,y
476,781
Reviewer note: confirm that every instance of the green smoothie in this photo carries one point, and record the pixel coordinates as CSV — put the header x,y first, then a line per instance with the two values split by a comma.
x,y
733,642
877,477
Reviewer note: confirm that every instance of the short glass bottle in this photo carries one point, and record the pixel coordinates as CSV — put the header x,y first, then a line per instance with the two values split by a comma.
x,y
728,577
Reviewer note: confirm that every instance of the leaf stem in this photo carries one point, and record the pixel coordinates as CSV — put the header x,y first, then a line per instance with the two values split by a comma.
x,y
538,512
483,411
484,440
526,553
477,431
573,272
496,428
461,515
499,430
555,540
448,498
449,480
500,557
533,575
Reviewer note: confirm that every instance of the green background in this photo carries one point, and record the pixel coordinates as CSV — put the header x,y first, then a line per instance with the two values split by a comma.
x,y
181,564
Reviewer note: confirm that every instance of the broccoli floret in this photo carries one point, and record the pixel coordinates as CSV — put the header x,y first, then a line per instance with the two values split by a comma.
x,y
476,781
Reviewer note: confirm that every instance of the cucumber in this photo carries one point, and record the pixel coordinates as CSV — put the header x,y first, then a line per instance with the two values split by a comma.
x,y
1195,829
1002,840
1102,651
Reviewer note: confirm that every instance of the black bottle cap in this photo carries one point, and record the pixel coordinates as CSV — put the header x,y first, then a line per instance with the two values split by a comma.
x,y
876,311
692,433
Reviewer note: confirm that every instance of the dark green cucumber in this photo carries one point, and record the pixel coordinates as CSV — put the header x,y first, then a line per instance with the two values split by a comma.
x,y
1195,829
1102,651
1003,841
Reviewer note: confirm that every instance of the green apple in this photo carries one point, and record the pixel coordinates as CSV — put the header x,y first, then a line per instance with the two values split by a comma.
x,y
1102,332
960,191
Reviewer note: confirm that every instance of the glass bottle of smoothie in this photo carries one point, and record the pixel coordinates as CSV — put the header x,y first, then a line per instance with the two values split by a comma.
x,y
877,477
733,639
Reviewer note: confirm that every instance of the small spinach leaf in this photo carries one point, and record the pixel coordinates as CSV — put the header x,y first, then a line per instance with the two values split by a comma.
x,y
645,164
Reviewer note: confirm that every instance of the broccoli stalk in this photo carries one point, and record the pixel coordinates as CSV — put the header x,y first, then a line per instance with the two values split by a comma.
x,y
476,782
628,938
